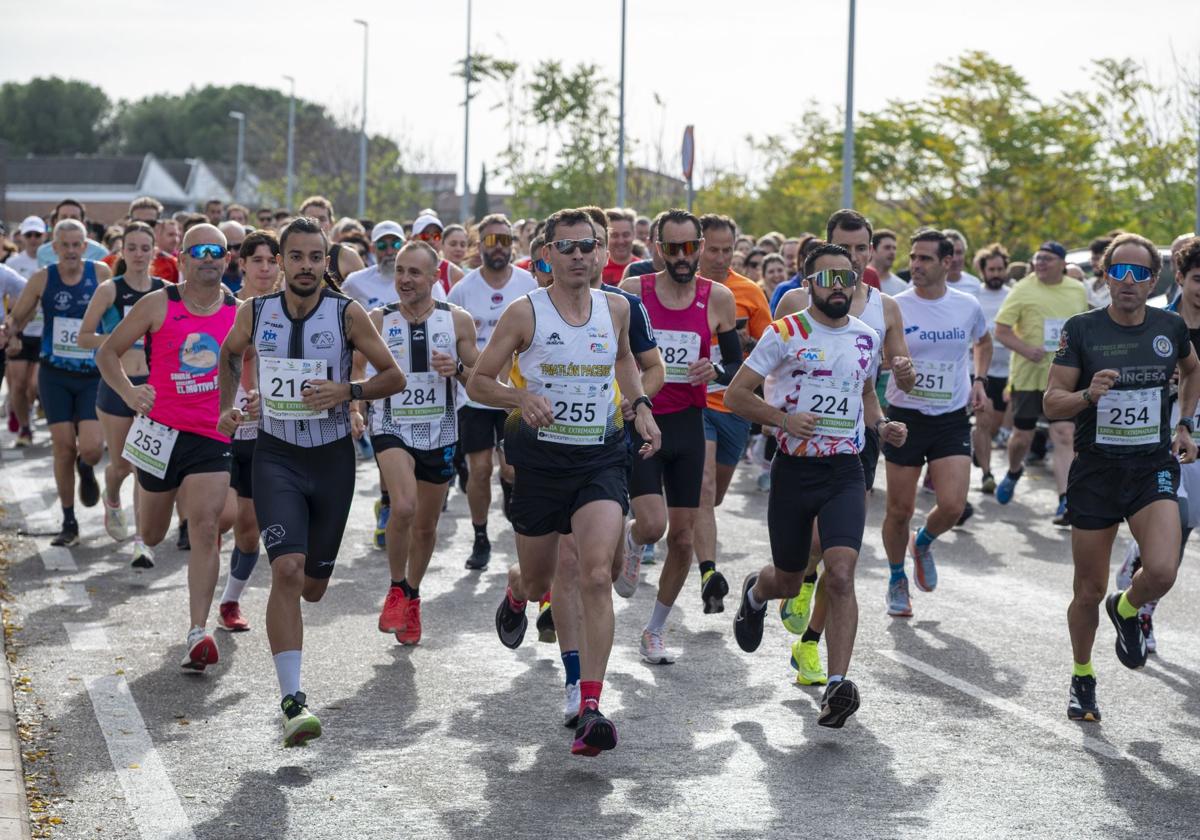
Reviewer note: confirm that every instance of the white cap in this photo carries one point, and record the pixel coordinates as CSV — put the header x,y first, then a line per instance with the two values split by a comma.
x,y
33,224
425,221
388,228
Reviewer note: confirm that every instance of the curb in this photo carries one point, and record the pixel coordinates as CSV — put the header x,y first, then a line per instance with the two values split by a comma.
x,y
14,808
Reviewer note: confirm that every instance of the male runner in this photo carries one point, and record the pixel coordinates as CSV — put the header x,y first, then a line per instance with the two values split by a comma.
x,y
304,461
992,264
1127,462
69,208
725,434
214,210
21,367
620,243
67,375
883,257
956,277
343,260
414,432
428,228
941,326
817,368
174,442
485,293
686,312
565,437
1029,323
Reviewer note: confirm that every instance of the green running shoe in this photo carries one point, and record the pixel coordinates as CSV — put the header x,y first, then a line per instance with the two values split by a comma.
x,y
795,612
299,724
806,659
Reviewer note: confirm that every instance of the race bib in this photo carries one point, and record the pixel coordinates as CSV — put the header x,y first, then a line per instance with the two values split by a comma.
x,y
66,339
679,348
247,429
281,384
580,412
1130,418
934,382
148,446
1051,330
423,398
836,404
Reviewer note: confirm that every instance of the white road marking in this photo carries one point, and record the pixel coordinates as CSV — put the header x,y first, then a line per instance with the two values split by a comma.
x,y
71,595
56,558
86,636
155,806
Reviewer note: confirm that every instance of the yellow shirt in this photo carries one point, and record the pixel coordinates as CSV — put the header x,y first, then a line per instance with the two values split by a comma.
x,y
1036,312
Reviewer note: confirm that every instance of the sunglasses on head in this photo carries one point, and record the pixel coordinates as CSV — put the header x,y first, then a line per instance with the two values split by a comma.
x,y
385,244
542,266
428,237
680,249
1129,271
826,278
207,251
503,240
568,246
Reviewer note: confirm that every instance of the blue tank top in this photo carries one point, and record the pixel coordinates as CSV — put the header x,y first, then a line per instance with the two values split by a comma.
x,y
63,307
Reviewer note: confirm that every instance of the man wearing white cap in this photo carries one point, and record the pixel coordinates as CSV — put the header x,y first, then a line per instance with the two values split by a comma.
x,y
32,233
428,228
21,369
375,286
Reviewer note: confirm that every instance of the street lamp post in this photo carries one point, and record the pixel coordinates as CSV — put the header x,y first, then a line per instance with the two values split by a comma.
x,y
848,140
464,207
238,174
621,120
362,142
291,146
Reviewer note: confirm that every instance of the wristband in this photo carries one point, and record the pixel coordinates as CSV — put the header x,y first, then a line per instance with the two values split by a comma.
x,y
642,400
1087,395
975,379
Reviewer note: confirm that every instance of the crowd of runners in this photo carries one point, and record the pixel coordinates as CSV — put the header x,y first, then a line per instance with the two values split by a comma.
x,y
609,373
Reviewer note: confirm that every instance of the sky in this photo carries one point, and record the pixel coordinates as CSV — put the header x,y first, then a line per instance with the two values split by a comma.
x,y
734,70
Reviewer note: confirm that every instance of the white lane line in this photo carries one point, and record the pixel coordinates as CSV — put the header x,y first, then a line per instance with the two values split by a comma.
x,y
57,559
156,808
86,636
1076,735
72,595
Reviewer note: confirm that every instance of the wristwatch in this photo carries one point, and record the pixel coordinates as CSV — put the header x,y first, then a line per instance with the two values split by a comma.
x,y
1187,423
460,369
643,399
1087,395
975,379
355,391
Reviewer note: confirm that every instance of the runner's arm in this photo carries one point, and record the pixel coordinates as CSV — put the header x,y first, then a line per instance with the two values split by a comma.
x,y
363,336
23,310
233,349
88,338
146,315
630,383
1189,383
1063,399
793,301
895,347
467,344
511,335
741,399
983,356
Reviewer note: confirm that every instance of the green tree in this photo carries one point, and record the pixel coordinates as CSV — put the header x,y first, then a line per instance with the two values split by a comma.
x,y
482,202
53,116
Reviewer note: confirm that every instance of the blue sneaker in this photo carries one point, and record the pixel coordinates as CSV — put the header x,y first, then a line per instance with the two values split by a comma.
x,y
923,566
1006,488
382,512
648,554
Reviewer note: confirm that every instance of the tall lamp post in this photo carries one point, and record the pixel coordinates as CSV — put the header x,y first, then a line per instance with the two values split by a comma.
x,y
362,142
621,120
848,140
291,146
238,174
464,207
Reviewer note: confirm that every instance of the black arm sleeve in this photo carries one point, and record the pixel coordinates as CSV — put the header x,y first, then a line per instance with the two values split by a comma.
x,y
731,355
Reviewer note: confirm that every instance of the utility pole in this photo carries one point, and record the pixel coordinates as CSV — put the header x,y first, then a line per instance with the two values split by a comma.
x,y
464,206
291,147
238,174
621,120
848,140
362,143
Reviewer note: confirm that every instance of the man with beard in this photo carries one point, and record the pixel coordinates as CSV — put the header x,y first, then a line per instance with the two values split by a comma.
x,y
992,265
817,368
304,338
485,293
235,235
686,312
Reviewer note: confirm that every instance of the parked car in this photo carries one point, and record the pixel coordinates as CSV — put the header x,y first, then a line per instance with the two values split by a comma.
x,y
1164,290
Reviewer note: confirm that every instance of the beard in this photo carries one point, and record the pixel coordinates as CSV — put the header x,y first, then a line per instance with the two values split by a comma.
x,y
994,282
681,272
300,291
832,309
496,262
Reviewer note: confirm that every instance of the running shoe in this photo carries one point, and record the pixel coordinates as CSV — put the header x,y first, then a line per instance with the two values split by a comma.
x,y
1129,566
115,521
1006,488
713,589
648,558
299,724
652,648
899,603
89,488
143,557
481,554
392,616
547,632
1146,619
183,542
806,660
411,634
594,733
748,623
795,612
24,439
968,512
627,582
229,618
838,703
1081,705
14,425
764,481
989,484
1130,643
1000,439
510,623
571,706
68,536
382,512
202,652
1062,516
925,570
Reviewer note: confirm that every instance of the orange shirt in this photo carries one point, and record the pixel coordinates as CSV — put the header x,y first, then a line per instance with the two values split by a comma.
x,y
753,310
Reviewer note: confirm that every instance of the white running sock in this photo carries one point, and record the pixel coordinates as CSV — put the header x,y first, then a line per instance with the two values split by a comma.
x,y
194,635
233,589
287,671
833,678
754,602
658,618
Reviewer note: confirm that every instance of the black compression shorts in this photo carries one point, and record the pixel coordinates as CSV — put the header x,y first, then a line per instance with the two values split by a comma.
x,y
829,491
679,464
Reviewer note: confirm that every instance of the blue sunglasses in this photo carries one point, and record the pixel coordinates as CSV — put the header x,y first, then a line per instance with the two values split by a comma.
x,y
1124,271
206,251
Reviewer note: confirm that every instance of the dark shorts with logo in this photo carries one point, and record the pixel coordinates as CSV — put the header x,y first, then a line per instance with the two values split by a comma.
x,y
192,454
432,466
1101,492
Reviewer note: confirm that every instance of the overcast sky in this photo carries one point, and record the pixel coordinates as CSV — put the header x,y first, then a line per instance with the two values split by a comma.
x,y
733,69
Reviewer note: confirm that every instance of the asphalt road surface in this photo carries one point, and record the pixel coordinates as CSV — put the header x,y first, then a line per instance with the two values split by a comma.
x,y
962,730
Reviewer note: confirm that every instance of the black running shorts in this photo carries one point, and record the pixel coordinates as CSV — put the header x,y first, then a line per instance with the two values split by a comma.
x,y
191,455
480,428
829,491
930,437
432,466
544,502
241,470
679,463
1103,491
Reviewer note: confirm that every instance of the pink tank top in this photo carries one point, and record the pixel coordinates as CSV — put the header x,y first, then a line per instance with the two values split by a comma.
x,y
183,358
676,396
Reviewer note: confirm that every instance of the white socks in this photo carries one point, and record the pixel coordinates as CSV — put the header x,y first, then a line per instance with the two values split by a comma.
x,y
658,618
287,671
233,589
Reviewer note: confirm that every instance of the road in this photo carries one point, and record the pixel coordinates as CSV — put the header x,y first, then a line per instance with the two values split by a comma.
x,y
962,731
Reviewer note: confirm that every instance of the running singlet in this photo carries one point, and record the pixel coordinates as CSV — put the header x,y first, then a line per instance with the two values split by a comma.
x,y
683,336
991,300
291,352
424,415
62,310
873,316
183,357
1133,419
574,369
486,304
124,300
814,369
940,334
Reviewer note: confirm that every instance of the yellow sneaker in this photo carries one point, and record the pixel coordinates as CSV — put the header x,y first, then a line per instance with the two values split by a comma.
x,y
794,612
806,659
